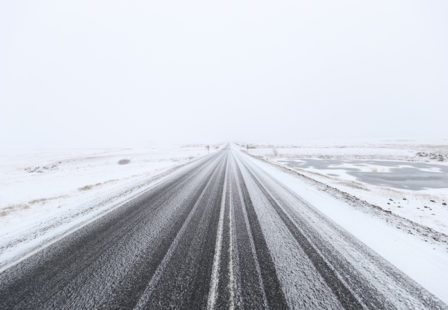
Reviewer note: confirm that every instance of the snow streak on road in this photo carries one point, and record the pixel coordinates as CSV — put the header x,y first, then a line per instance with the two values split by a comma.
x,y
220,234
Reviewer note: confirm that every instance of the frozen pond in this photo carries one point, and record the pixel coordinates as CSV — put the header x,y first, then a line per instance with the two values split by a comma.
x,y
397,174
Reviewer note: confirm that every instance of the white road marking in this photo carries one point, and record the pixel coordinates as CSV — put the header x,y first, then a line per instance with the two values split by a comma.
x,y
231,275
212,295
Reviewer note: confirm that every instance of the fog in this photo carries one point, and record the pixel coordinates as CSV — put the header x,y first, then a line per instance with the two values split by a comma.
x,y
76,73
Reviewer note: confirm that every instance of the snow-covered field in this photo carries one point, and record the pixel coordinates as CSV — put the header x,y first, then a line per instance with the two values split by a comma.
x,y
45,194
405,179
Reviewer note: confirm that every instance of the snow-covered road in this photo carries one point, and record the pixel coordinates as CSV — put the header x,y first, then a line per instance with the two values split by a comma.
x,y
219,233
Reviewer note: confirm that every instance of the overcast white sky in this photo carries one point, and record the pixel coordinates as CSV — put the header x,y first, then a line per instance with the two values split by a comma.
x,y
120,72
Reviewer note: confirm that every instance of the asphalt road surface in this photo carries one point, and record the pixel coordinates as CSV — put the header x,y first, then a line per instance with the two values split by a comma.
x,y
217,234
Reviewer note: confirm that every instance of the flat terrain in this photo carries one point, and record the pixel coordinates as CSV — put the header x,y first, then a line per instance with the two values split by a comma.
x,y
408,179
218,234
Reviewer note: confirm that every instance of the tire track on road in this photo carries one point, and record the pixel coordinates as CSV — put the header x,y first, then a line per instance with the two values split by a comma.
x,y
345,296
271,284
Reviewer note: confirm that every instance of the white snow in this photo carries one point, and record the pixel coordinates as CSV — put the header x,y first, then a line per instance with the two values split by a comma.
x,y
426,263
392,149
427,207
45,194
